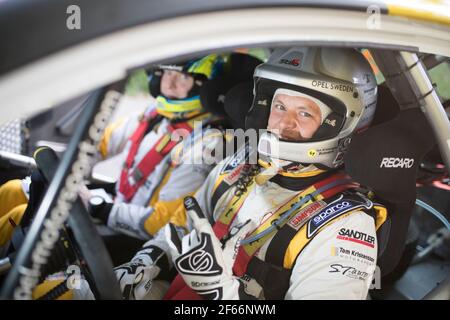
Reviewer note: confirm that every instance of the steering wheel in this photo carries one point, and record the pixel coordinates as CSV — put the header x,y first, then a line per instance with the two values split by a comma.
x,y
87,243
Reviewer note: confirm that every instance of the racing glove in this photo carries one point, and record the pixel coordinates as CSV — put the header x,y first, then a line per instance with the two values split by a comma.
x,y
136,278
95,204
204,262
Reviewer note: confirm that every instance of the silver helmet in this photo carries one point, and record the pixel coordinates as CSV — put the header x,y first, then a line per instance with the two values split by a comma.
x,y
339,79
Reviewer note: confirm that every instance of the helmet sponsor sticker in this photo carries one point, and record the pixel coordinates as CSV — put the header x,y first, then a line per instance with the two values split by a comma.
x,y
171,67
293,59
294,62
331,122
332,86
312,153
325,151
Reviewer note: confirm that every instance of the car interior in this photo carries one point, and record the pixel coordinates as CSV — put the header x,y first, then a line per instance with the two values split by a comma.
x,y
414,249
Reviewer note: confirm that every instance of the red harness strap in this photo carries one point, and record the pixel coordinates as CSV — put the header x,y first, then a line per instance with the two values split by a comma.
x,y
180,291
132,179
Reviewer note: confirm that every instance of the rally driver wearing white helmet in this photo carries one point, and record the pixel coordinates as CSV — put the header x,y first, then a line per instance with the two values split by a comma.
x,y
292,226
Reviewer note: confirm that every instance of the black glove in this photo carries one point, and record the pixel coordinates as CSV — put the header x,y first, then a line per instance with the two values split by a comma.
x,y
99,208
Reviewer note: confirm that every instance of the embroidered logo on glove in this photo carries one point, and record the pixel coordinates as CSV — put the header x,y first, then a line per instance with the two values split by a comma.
x,y
200,261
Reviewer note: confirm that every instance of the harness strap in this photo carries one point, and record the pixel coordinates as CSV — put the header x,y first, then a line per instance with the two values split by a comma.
x,y
323,189
274,280
273,274
231,172
132,179
312,218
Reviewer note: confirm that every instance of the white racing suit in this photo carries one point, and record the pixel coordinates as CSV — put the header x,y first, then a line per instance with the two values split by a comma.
x,y
337,262
181,172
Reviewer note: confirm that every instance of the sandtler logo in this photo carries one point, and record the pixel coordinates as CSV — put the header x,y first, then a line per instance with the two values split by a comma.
x,y
357,237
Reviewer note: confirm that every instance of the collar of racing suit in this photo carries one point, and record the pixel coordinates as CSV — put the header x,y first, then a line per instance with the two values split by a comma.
x,y
297,183
299,180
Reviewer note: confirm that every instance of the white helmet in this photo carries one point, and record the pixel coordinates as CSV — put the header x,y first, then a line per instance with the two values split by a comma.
x,y
339,79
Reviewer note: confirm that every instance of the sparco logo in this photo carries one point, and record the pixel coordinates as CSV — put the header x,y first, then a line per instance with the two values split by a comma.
x,y
397,163
331,210
293,62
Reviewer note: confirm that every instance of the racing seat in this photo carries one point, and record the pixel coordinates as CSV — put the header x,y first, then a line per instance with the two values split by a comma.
x,y
386,159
